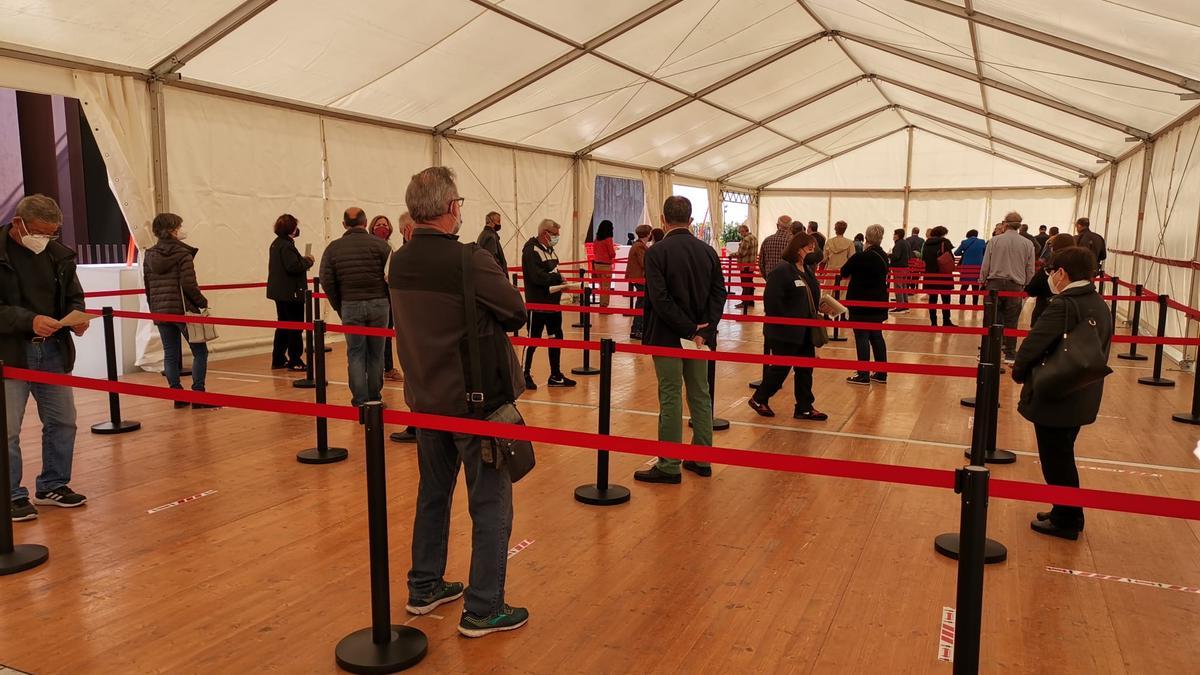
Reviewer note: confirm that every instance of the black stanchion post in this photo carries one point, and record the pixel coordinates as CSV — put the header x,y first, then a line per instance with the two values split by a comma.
x,y
991,454
316,310
308,382
384,647
603,493
990,302
1134,326
13,558
983,440
114,425
584,300
1115,293
837,336
322,453
516,283
972,484
1157,380
1192,417
586,368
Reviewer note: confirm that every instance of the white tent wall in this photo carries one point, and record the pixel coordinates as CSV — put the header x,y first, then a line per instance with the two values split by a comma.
x,y
1053,207
867,208
1097,213
543,191
1120,233
957,211
814,206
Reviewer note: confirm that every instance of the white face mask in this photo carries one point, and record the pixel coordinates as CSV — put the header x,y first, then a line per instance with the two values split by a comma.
x,y
1054,287
34,242
181,235
553,240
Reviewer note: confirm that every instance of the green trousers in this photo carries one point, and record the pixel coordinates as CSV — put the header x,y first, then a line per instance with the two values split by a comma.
x,y
673,374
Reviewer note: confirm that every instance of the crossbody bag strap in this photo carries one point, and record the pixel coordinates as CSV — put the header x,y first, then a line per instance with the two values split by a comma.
x,y
470,314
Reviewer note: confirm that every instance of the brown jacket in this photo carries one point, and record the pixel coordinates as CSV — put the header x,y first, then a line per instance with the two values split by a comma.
x,y
636,268
747,253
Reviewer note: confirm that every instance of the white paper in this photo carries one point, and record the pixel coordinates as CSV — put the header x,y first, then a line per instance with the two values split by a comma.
x,y
830,306
564,287
76,318
308,250
690,344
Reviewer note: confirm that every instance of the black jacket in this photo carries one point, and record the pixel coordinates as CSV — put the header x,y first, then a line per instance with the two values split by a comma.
x,y
489,240
540,267
16,320
785,298
933,249
286,268
868,274
425,276
170,276
1093,242
1038,288
1062,314
684,288
915,244
352,268
900,253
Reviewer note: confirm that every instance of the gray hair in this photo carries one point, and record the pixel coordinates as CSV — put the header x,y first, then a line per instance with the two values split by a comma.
x,y
39,209
546,225
429,193
874,234
1013,220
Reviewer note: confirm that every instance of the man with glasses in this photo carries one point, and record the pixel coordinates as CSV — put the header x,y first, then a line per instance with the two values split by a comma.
x,y
37,284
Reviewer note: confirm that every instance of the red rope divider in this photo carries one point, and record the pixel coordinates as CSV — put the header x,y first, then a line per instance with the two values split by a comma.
x,y
1152,505
141,291
213,320
795,361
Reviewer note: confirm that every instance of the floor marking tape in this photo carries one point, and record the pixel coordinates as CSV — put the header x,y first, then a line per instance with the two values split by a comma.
x,y
1124,580
178,502
946,636
1108,470
525,543
235,379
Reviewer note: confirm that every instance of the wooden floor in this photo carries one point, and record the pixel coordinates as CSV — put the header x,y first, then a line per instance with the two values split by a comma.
x,y
749,571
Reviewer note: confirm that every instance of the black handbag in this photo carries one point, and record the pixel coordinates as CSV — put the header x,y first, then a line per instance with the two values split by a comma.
x,y
1079,360
503,454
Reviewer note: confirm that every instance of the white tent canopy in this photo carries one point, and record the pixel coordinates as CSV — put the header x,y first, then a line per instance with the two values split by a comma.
x,y
231,112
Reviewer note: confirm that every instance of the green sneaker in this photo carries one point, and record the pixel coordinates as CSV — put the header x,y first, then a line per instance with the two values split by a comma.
x,y
425,605
511,618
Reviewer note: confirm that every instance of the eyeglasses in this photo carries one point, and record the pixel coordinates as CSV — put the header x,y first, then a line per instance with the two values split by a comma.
x,y
460,202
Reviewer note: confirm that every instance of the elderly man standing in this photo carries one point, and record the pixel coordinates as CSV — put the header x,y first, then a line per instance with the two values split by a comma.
x,y
489,240
426,279
539,263
746,256
769,255
1008,266
685,295
352,276
37,284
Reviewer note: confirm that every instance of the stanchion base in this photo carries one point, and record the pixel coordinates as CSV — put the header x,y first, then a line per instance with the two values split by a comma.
x,y
585,371
577,325
357,653
719,424
1133,357
837,339
754,384
304,384
1156,381
1186,418
998,457
947,545
328,349
109,429
315,456
968,402
594,496
24,557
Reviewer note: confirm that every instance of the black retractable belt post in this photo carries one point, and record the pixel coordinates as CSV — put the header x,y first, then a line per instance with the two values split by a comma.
x,y
516,283
990,304
584,300
1134,326
972,483
322,453
114,425
836,337
992,455
13,558
309,381
603,493
983,440
316,310
384,647
1157,380
1192,417
1115,292
586,368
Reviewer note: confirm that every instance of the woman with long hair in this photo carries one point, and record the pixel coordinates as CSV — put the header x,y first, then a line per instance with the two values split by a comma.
x,y
604,254
936,284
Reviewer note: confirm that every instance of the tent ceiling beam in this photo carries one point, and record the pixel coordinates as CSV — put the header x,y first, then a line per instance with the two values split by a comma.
x,y
999,118
1001,141
766,120
1063,44
900,191
209,36
1001,156
51,58
832,157
983,98
579,51
996,84
806,141
699,95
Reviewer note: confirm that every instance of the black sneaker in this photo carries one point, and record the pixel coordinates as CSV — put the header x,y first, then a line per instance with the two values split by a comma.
x,y
530,385
447,593
858,378
205,406
181,404
409,435
22,510
510,618
898,310
654,475
560,380
698,469
60,496
881,378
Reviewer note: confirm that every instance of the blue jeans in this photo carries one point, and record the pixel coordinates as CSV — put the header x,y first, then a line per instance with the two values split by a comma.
x,y
56,409
364,355
489,500
173,335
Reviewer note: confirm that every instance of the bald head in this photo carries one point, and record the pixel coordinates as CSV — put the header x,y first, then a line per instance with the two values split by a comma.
x,y
354,217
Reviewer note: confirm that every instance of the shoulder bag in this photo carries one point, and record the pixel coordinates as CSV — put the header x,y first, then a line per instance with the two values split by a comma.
x,y
197,332
503,454
1076,362
945,261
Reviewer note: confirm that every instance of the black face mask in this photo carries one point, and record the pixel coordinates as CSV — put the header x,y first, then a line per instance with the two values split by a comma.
x,y
813,258
496,227
296,233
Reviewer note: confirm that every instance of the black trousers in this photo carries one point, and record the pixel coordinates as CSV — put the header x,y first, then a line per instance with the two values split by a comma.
x,y
866,342
388,364
640,303
288,348
775,375
747,279
551,322
945,300
1056,451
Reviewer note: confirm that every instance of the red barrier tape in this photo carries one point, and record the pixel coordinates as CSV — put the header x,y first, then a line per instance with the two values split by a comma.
x,y
796,361
214,320
1151,505
554,343
141,291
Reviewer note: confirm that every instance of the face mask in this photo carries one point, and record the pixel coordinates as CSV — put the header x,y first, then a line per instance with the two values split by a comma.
x,y
296,233
1054,287
34,242
181,235
553,240
812,258
496,227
